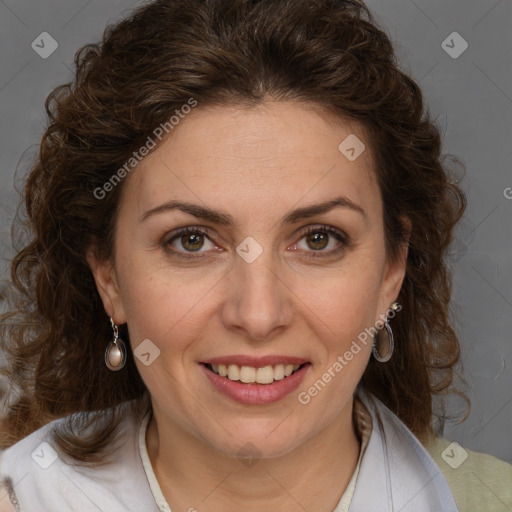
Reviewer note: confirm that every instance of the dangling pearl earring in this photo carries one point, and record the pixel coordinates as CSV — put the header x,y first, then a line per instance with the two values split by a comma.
x,y
115,353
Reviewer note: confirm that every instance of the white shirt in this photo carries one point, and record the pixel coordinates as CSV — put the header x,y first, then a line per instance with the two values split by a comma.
x,y
394,473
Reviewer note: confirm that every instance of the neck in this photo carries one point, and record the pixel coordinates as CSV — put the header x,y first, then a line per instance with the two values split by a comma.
x,y
313,476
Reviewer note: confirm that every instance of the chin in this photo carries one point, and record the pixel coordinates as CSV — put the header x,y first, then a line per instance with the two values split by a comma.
x,y
270,443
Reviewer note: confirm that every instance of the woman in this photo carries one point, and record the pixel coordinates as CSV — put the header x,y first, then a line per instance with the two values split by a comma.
x,y
234,294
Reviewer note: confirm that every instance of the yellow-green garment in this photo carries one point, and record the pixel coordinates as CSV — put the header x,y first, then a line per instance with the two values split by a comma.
x,y
482,483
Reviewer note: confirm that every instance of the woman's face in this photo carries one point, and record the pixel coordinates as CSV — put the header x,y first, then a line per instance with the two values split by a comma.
x,y
257,286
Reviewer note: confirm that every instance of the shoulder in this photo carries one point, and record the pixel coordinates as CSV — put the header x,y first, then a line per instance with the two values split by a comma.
x,y
37,477
34,447
478,481
396,465
22,466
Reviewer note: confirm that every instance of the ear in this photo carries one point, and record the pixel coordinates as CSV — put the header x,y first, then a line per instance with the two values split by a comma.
x,y
106,284
395,270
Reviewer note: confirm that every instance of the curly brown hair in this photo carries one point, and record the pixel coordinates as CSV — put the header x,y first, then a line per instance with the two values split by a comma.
x,y
237,52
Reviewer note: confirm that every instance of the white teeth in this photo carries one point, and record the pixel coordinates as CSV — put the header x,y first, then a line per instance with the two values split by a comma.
x,y
265,375
249,374
279,372
288,369
233,372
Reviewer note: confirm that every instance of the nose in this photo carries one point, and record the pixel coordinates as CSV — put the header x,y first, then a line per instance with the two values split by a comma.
x,y
258,303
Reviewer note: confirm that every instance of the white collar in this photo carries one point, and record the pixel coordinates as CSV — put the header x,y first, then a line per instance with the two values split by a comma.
x,y
396,473
160,500
163,506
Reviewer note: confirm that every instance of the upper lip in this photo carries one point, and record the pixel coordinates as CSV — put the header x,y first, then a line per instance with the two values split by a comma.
x,y
256,362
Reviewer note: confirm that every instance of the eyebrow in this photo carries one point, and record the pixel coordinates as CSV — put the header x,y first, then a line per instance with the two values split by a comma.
x,y
224,219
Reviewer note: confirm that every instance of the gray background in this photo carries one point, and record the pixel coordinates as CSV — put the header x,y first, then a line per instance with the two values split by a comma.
x,y
470,96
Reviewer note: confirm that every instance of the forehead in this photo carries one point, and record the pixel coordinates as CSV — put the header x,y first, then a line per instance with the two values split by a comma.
x,y
278,153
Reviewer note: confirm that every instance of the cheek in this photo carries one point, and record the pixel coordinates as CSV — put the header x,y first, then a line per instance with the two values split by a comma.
x,y
163,305
341,316
346,299
346,310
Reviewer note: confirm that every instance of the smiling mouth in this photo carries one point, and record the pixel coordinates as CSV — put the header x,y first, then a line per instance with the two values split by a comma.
x,y
251,375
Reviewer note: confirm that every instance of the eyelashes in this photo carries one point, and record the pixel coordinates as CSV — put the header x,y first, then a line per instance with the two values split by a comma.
x,y
182,233
326,232
313,234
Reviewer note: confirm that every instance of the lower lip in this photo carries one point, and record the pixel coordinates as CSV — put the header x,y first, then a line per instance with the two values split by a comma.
x,y
256,394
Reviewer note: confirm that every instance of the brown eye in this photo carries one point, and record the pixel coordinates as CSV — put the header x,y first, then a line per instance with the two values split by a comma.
x,y
192,242
317,241
187,241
